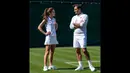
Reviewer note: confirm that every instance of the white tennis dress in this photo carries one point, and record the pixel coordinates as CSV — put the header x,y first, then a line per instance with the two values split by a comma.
x,y
50,26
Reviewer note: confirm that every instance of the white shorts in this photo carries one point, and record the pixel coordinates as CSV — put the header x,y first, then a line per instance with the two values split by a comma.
x,y
79,41
49,40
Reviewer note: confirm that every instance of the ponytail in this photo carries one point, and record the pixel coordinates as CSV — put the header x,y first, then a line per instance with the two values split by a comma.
x,y
45,14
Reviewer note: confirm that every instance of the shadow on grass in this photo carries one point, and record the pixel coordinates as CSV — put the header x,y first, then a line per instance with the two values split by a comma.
x,y
97,68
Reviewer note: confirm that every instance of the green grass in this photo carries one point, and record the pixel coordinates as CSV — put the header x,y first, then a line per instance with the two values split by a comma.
x,y
61,56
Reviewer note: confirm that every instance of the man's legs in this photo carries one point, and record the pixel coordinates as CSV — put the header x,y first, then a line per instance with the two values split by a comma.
x,y
79,58
83,43
87,56
78,53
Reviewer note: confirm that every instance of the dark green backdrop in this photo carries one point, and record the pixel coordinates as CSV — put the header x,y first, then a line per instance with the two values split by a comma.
x,y
64,13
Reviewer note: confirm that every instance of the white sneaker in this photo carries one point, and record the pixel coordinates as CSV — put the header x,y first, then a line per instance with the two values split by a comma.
x,y
79,68
45,68
91,68
52,67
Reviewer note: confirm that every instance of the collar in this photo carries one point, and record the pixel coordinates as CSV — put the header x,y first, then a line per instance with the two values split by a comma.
x,y
80,14
50,18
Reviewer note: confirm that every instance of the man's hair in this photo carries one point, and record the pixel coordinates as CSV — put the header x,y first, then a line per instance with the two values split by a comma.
x,y
79,6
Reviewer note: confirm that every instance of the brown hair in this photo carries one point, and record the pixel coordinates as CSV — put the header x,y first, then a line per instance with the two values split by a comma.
x,y
79,6
47,12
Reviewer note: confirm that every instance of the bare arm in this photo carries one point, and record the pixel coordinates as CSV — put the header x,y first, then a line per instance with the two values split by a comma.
x,y
56,26
76,26
40,27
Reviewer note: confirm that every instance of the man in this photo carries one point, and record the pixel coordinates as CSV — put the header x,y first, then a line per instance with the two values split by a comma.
x,y
79,23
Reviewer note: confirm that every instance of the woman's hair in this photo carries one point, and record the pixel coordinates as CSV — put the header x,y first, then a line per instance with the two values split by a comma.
x,y
47,12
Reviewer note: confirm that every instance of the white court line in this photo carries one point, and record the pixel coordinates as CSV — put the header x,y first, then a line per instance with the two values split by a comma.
x,y
82,61
73,63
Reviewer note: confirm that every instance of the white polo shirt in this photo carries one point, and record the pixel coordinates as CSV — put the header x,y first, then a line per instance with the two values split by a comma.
x,y
81,19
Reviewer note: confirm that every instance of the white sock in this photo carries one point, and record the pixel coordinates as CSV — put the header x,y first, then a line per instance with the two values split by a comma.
x,y
90,63
80,63
45,66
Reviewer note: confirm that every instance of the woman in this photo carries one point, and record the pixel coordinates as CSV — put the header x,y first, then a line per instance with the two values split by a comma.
x,y
50,39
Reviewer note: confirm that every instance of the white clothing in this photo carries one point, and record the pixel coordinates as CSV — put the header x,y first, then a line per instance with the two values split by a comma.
x,y
79,41
81,19
50,27
80,34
